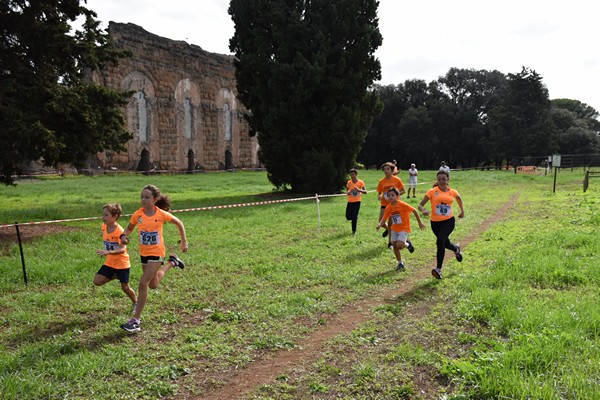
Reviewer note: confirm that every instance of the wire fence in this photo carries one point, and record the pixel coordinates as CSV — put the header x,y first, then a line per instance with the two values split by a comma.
x,y
17,225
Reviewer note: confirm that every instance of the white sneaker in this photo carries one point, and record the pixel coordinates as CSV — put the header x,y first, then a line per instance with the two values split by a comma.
x,y
132,325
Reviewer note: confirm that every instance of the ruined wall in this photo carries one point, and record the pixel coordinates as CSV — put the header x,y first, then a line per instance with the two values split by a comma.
x,y
184,113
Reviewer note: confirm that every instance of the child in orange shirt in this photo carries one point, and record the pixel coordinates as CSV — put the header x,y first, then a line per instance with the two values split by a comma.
x,y
386,183
398,213
117,263
150,219
355,188
442,218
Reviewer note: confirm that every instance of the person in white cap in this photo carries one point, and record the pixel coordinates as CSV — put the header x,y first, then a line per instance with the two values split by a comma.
x,y
412,180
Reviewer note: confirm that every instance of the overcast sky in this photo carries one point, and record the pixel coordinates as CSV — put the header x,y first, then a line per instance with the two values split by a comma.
x,y
424,39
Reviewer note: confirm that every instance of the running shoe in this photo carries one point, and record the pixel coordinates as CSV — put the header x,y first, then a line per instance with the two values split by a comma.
x,y
437,273
400,266
385,233
458,254
177,262
390,245
133,325
410,246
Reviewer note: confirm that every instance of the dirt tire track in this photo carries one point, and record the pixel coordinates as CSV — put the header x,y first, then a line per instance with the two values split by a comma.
x,y
267,367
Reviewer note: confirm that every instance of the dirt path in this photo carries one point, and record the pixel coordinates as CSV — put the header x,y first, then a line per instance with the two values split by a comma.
x,y
266,368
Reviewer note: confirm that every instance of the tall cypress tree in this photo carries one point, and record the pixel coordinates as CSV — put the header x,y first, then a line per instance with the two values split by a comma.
x,y
305,69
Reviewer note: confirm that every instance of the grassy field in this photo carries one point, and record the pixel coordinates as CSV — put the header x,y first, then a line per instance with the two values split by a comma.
x,y
518,318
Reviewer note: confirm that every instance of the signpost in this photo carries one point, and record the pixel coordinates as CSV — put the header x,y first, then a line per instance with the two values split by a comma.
x,y
556,166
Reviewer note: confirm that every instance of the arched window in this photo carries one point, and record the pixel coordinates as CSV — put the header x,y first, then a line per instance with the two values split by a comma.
x,y
227,121
142,112
188,118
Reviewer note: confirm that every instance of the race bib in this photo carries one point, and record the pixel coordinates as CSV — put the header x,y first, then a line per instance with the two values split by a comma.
x,y
149,238
354,192
110,245
396,220
385,195
443,209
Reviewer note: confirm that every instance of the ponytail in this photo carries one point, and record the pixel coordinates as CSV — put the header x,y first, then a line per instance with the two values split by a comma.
x,y
162,202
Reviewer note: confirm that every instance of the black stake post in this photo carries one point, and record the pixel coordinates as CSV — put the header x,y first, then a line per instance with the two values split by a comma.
x,y
554,187
22,256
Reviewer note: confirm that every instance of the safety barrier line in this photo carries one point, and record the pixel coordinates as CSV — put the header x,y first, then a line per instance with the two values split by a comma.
x,y
256,203
50,222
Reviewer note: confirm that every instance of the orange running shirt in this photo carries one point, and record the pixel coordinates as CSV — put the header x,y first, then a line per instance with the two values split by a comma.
x,y
386,184
441,203
111,242
150,230
400,213
354,195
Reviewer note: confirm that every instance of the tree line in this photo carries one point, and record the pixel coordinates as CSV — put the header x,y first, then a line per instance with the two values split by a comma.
x,y
305,71
473,118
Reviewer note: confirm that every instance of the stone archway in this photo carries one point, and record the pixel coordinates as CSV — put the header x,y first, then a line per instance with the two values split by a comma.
x,y
191,164
144,164
228,159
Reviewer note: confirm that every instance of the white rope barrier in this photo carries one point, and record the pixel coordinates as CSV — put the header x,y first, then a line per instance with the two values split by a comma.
x,y
219,207
256,203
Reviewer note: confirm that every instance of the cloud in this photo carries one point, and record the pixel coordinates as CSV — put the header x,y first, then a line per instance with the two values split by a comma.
x,y
537,29
423,40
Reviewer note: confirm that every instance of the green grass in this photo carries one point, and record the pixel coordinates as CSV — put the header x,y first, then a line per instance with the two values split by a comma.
x,y
518,318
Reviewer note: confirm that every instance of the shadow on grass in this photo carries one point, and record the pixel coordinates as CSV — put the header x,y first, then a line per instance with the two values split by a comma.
x,y
30,356
365,255
382,276
337,237
73,331
419,291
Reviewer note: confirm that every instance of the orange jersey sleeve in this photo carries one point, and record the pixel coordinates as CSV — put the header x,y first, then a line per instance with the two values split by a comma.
x,y
112,242
441,203
150,230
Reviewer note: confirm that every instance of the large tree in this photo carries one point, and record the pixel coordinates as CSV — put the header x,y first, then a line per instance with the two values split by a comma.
x,y
377,147
304,69
49,112
474,93
578,126
443,120
521,124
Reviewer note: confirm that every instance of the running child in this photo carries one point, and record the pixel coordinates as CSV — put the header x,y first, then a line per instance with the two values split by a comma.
x,y
399,213
355,189
116,265
395,169
442,218
150,219
386,183
412,180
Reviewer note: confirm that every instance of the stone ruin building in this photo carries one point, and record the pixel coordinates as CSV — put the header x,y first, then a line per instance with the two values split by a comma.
x,y
184,114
